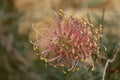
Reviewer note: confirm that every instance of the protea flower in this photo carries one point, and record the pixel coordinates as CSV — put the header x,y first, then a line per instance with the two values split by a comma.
x,y
68,42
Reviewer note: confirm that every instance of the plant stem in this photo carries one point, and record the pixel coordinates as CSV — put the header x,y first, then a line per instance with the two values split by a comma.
x,y
110,61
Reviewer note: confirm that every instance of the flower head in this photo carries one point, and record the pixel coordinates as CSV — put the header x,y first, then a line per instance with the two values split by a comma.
x,y
68,42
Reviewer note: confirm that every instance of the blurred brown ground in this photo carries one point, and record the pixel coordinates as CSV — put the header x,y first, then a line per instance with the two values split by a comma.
x,y
38,10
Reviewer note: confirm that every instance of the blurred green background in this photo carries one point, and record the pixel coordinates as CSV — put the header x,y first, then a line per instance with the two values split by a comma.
x,y
17,58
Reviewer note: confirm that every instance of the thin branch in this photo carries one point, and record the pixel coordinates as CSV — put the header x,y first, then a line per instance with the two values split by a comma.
x,y
110,60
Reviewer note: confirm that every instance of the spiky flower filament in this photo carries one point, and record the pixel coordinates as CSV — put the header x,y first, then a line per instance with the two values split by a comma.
x,y
68,42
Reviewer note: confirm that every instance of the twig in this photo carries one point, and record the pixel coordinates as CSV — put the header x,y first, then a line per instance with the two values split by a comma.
x,y
110,61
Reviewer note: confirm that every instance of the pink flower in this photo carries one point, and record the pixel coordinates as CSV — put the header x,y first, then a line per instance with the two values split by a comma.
x,y
69,42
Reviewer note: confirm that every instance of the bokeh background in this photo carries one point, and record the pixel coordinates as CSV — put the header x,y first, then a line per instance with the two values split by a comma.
x,y
17,57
